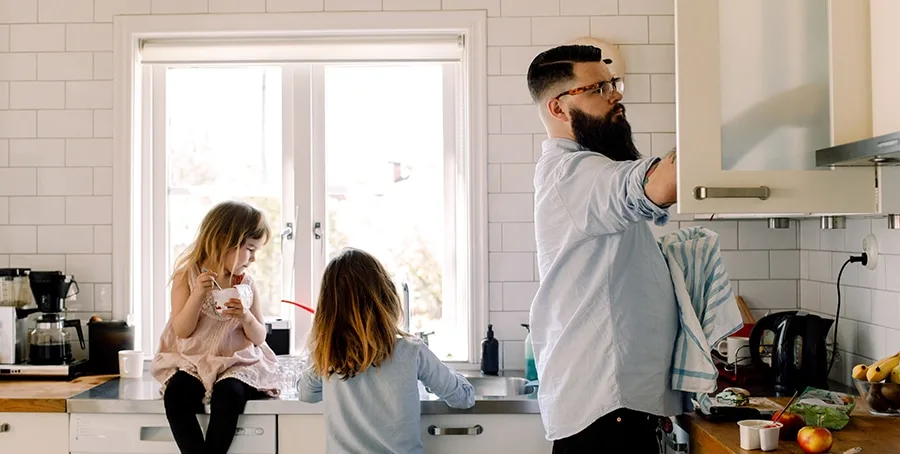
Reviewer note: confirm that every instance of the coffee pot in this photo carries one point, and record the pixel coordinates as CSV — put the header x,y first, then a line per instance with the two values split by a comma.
x,y
50,344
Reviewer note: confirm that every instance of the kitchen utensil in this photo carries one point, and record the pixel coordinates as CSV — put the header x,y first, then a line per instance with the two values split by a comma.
x,y
216,283
855,450
746,315
786,406
798,352
222,296
301,306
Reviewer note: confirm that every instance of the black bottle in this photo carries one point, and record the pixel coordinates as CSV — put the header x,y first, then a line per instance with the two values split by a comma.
x,y
490,353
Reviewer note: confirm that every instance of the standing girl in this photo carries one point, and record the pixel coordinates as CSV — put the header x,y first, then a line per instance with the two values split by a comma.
x,y
209,355
366,368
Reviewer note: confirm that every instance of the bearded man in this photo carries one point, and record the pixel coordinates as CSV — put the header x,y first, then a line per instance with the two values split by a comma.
x,y
604,319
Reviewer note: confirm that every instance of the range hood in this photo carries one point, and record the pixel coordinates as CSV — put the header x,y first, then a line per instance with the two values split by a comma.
x,y
882,150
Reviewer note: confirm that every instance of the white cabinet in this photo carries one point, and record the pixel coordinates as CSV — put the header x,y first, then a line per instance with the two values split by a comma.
x,y
484,434
886,91
46,433
760,86
301,434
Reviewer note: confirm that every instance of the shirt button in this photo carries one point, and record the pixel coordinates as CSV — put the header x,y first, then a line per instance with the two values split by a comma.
x,y
619,419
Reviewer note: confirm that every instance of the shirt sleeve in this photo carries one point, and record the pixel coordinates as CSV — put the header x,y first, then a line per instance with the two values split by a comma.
x,y
450,386
309,385
605,196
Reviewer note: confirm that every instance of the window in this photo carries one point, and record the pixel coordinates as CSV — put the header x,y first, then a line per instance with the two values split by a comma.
x,y
348,141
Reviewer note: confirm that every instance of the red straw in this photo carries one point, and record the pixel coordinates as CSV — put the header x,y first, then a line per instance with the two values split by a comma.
x,y
306,308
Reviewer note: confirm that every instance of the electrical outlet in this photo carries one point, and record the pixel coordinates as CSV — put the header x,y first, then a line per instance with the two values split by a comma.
x,y
870,247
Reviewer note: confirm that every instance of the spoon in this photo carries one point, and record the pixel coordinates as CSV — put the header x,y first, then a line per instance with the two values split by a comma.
x,y
855,450
203,270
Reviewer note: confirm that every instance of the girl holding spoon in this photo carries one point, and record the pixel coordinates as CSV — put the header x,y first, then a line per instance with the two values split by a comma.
x,y
209,354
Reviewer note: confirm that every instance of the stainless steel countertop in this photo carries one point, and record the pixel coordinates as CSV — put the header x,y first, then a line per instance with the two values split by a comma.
x,y
141,395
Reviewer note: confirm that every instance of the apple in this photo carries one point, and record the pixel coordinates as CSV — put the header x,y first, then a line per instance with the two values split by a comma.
x,y
792,422
814,439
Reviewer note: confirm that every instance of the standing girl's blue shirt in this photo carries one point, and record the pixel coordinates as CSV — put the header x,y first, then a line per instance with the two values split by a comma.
x,y
378,411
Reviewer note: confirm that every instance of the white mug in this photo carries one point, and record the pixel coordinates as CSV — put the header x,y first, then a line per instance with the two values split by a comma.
x,y
131,364
735,349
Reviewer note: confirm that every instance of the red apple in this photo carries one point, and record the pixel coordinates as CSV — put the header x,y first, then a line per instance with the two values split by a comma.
x,y
814,439
792,423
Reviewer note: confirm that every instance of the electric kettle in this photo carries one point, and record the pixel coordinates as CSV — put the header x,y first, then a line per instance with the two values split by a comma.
x,y
798,349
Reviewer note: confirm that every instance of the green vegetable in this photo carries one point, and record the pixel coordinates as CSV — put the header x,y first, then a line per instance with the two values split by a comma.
x,y
824,408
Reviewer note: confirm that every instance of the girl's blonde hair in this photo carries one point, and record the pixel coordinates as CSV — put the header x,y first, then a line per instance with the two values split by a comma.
x,y
357,318
225,227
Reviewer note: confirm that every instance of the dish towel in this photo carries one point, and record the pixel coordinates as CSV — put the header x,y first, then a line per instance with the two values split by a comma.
x,y
708,310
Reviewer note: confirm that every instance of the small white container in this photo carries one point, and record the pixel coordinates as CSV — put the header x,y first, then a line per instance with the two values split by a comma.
x,y
750,433
131,364
768,436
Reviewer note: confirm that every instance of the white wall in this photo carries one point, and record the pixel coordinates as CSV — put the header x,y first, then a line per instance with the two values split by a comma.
x,y
869,328
56,125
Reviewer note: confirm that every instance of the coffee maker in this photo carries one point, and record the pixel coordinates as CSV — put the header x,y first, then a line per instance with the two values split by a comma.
x,y
796,341
49,345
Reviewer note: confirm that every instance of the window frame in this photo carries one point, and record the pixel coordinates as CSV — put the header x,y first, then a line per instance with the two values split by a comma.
x,y
134,206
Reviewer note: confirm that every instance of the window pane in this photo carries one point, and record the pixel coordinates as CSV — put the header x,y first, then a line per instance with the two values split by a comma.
x,y
223,140
384,160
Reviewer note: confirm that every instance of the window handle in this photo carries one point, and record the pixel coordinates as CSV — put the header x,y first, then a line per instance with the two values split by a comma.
x,y
317,230
288,232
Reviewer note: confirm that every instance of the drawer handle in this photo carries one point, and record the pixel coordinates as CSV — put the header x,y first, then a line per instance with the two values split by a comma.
x,y
703,193
4,427
474,430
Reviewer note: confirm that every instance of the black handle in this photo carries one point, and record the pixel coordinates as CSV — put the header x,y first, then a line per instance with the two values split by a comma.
x,y
77,325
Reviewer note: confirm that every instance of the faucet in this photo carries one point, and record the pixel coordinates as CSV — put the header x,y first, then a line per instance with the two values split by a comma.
x,y
405,288
424,336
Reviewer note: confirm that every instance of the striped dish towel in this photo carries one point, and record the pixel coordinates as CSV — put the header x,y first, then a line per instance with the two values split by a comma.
x,y
708,311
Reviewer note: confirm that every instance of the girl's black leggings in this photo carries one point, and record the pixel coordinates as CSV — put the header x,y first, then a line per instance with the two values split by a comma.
x,y
183,400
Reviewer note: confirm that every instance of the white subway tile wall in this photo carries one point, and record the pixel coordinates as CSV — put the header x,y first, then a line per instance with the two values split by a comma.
x,y
56,148
869,327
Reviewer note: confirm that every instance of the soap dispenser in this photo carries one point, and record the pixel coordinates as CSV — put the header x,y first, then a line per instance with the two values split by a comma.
x,y
490,353
530,369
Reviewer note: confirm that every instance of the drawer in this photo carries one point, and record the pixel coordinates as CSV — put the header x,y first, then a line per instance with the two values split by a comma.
x,y
34,432
150,434
482,434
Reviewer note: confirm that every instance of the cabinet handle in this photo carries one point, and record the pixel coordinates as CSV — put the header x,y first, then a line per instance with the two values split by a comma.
x,y
703,192
4,427
474,430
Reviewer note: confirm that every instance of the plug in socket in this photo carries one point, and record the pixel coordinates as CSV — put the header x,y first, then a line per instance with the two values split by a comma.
x,y
870,247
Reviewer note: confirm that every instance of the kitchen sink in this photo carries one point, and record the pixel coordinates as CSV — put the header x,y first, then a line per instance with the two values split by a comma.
x,y
498,386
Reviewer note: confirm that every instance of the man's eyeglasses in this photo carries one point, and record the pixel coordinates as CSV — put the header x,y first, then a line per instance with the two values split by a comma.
x,y
604,88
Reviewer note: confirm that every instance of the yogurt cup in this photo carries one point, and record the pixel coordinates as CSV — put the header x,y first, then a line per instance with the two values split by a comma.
x,y
220,297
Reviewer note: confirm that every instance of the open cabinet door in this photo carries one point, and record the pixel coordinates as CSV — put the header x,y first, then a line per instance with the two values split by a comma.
x,y
760,86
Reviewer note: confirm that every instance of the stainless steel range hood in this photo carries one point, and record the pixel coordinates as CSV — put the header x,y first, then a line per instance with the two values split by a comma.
x,y
883,150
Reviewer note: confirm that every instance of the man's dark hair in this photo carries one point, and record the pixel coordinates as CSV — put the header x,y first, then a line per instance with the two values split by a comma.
x,y
556,65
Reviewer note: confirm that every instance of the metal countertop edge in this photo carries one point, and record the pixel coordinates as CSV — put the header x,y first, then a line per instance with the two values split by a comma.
x,y
522,405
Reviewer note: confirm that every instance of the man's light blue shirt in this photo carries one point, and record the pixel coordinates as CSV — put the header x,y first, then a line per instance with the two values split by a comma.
x,y
378,411
604,319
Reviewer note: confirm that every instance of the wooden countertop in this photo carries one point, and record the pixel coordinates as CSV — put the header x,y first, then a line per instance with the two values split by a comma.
x,y
875,434
44,396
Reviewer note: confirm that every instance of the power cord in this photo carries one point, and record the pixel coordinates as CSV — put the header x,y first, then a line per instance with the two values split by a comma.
x,y
863,259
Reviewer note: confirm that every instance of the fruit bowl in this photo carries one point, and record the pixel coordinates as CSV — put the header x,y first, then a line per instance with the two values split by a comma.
x,y
883,398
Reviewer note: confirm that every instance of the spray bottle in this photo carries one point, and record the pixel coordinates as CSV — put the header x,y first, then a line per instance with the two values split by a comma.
x,y
530,369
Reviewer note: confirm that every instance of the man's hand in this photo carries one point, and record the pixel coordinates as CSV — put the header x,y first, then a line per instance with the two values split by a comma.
x,y
660,183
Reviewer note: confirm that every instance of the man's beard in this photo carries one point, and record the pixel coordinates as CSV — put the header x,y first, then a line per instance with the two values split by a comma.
x,y
609,135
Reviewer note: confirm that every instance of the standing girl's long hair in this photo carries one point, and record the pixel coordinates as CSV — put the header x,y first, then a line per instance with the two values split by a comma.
x,y
225,227
357,319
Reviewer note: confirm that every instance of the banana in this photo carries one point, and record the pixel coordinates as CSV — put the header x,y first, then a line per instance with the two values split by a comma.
x,y
859,371
882,369
895,375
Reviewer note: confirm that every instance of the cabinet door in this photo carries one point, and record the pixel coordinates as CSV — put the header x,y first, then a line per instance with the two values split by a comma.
x,y
487,434
886,92
760,86
301,434
46,433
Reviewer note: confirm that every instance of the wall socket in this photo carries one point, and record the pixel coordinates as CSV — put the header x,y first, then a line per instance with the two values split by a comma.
x,y
870,247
